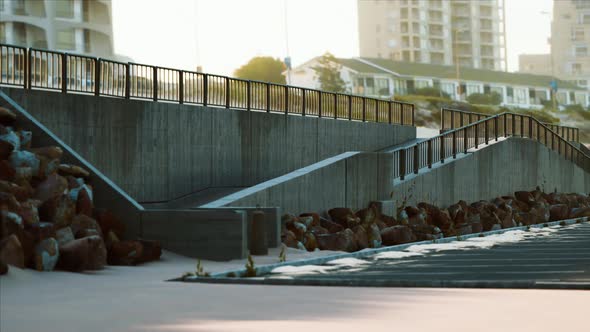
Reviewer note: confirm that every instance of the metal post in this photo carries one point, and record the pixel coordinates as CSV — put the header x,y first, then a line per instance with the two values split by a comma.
x,y
530,127
335,106
465,139
349,107
180,87
97,76
402,163
442,149
442,119
513,125
286,99
521,127
401,111
302,102
128,81
364,109
413,115
29,76
476,135
320,104
205,89
496,130
389,114
267,98
454,144
452,120
248,95
429,153
485,131
416,159
227,92
155,82
461,123
64,72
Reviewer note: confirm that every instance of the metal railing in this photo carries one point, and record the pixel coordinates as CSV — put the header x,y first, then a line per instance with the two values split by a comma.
x,y
481,132
453,118
32,68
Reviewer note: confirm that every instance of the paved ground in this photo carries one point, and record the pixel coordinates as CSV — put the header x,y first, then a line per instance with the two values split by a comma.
x,y
560,258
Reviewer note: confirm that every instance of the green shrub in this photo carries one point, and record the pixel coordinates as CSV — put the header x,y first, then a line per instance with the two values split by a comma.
x,y
431,92
493,98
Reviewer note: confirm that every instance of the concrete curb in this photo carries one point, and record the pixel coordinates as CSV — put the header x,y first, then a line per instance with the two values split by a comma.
x,y
224,277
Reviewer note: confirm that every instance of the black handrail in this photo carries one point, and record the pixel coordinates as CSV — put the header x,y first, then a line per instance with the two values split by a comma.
x,y
33,68
459,140
569,133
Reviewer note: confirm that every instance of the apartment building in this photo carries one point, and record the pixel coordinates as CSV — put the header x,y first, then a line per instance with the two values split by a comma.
x,y
76,26
441,32
570,41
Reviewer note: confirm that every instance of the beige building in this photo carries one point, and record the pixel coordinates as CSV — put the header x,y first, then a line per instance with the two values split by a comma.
x,y
535,64
570,41
76,26
434,31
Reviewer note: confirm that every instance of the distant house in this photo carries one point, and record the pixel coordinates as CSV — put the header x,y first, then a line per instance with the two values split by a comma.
x,y
386,78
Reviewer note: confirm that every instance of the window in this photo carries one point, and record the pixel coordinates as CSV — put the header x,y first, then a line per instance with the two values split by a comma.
x,y
584,18
20,33
404,13
406,56
577,34
576,68
404,27
580,51
520,95
582,83
382,86
18,7
472,88
419,84
580,98
399,87
65,40
448,88
1,5
87,41
64,8
417,56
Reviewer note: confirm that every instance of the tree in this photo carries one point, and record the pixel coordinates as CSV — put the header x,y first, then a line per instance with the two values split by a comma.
x,y
262,68
328,73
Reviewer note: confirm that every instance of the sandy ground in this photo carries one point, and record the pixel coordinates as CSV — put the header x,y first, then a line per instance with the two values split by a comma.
x,y
137,299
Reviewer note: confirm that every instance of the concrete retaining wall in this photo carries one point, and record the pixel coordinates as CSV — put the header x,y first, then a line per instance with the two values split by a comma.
x,y
353,181
162,151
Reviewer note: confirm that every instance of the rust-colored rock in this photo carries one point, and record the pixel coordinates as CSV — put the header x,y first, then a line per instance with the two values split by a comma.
x,y
580,212
41,231
53,186
367,215
9,203
309,241
108,222
29,212
73,170
88,253
7,172
331,226
558,212
374,235
84,204
361,239
397,235
152,250
7,117
318,230
6,149
344,216
49,152
125,253
287,237
11,252
315,218
525,197
82,222
341,241
10,223
46,255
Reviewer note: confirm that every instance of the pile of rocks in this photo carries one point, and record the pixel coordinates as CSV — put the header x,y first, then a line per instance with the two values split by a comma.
x,y
342,229
48,219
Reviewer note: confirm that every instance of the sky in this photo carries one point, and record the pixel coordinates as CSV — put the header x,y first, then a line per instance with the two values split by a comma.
x,y
222,35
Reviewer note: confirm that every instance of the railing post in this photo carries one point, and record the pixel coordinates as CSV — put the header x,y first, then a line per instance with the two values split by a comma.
x,y
461,123
513,124
505,125
389,112
155,83
97,65
485,131
376,110
521,126
29,76
267,98
416,159
442,149
452,120
402,164
205,89
303,102
442,120
530,127
413,115
335,106
465,140
320,104
180,87
128,81
248,95
496,130
454,144
401,111
349,107
227,92
286,99
429,152
545,134
364,109
476,135
64,72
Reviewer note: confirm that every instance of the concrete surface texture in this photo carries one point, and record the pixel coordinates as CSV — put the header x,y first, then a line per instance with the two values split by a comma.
x,y
497,169
137,299
163,151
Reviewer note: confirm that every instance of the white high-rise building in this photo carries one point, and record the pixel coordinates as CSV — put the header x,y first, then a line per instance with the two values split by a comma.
x,y
434,31
76,26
